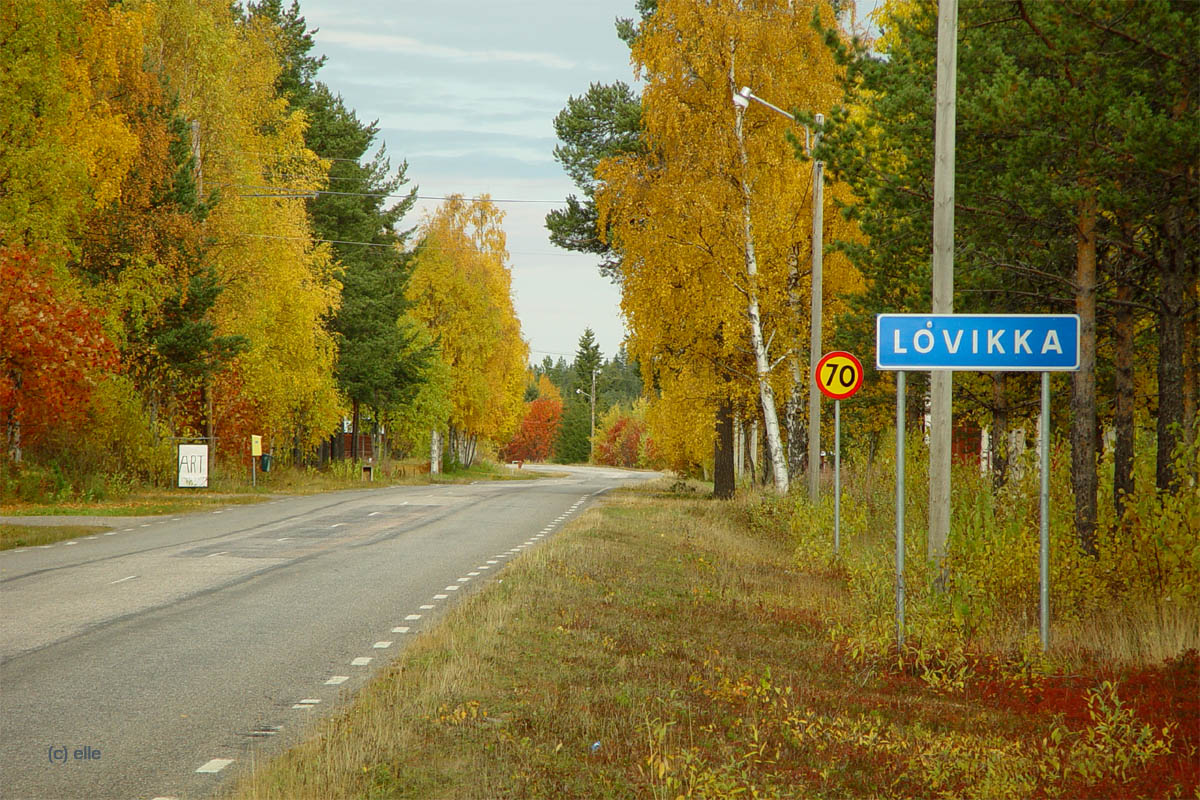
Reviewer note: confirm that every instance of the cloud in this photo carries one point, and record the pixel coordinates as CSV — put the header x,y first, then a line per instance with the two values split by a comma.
x,y
406,44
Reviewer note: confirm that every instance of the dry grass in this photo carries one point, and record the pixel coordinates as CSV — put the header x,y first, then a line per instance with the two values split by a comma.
x,y
13,536
1135,637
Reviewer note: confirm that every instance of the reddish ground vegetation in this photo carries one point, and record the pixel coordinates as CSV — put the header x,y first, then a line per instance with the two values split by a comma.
x,y
1160,696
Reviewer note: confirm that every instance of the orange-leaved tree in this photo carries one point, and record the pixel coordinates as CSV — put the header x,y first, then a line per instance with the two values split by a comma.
x,y
52,352
534,439
623,439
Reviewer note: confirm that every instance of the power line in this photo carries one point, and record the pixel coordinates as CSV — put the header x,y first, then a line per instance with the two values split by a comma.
x,y
376,244
385,194
307,239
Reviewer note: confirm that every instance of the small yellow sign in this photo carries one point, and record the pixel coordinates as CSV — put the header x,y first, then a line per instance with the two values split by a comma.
x,y
256,445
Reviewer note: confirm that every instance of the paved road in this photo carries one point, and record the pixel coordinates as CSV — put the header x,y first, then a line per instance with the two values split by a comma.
x,y
154,660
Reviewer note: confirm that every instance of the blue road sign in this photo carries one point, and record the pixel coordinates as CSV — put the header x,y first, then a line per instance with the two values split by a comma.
x,y
977,342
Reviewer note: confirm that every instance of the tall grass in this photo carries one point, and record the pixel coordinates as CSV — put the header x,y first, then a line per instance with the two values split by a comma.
x,y
1133,604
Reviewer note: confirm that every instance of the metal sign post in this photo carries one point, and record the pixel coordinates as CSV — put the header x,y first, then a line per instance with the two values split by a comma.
x,y
838,375
1044,508
981,343
255,453
900,508
837,477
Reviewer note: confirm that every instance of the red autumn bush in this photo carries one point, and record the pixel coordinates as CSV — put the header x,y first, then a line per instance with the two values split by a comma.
x,y
534,439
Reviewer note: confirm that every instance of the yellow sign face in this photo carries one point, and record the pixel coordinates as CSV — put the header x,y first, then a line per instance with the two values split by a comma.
x,y
256,445
839,375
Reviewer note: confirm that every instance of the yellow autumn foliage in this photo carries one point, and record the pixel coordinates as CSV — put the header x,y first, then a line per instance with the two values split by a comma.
x,y
279,285
674,210
461,287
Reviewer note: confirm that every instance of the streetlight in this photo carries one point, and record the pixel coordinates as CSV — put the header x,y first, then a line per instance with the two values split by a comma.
x,y
811,138
592,398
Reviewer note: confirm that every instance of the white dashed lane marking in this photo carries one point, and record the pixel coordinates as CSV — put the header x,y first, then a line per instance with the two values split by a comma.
x,y
440,596
307,703
216,765
382,645
122,580
337,679
451,588
361,661
400,629
412,618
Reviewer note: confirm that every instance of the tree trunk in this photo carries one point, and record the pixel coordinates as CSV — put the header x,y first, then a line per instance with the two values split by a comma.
x,y
1123,391
1083,394
1173,296
793,415
1191,361
768,465
999,443
762,363
435,453
793,410
12,423
723,477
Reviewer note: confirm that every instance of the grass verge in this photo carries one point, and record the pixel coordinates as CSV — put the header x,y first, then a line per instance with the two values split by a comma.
x,y
12,536
226,491
662,647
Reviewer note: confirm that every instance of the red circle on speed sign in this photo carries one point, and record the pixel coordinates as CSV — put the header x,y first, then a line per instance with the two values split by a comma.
x,y
838,375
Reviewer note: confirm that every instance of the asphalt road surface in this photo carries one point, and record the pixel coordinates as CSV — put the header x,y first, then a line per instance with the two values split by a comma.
x,y
156,659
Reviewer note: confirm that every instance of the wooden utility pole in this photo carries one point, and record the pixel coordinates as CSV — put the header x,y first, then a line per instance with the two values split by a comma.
x,y
941,389
814,336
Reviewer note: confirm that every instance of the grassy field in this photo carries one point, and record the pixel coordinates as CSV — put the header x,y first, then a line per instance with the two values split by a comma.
x,y
665,645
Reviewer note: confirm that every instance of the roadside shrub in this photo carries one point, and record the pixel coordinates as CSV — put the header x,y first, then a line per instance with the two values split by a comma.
x,y
985,595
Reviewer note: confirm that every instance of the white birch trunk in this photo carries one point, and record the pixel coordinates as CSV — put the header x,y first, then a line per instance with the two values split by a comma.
x,y
762,362
435,453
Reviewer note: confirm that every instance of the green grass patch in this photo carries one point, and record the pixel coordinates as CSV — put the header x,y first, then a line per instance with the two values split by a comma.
x,y
136,504
225,489
13,536
664,646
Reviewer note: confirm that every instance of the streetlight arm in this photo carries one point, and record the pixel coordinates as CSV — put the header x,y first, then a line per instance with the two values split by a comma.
x,y
742,100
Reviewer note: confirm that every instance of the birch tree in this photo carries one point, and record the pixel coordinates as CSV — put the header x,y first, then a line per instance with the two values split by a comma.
x,y
711,218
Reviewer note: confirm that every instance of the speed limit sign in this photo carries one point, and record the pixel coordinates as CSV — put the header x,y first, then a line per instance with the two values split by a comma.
x,y
838,375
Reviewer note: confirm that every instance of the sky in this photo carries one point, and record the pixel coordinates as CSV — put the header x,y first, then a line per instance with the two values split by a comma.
x,y
466,92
